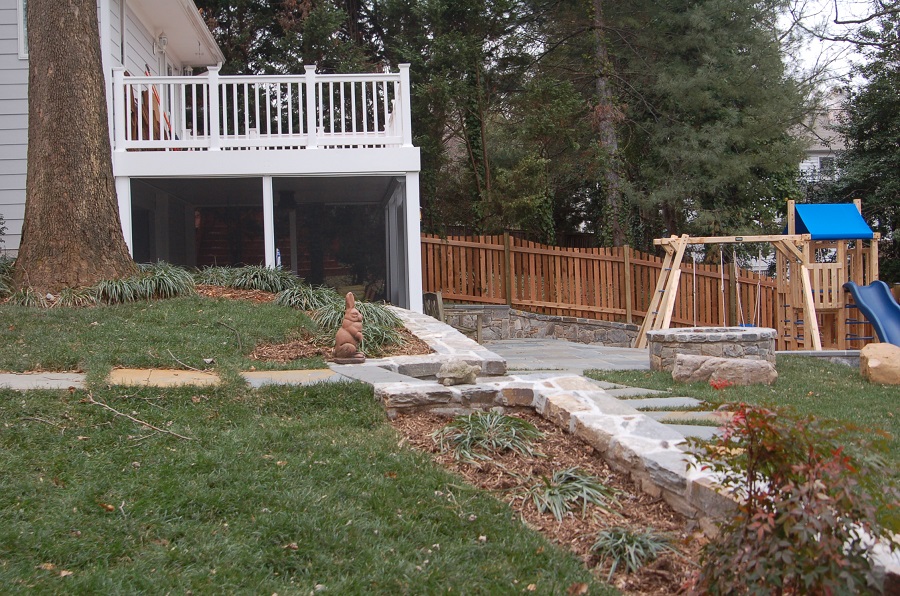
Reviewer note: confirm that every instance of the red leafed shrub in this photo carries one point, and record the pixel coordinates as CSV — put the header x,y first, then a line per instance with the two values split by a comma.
x,y
720,384
808,515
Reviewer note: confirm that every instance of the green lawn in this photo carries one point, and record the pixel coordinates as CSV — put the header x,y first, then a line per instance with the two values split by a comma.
x,y
806,385
279,490
142,335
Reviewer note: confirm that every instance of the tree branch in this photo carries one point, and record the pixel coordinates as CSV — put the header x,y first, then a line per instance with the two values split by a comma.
x,y
90,399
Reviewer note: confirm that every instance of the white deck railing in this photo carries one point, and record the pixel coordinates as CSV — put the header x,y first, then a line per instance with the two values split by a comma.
x,y
217,113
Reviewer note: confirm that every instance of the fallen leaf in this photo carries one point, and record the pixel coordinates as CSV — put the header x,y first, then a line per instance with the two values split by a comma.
x,y
531,587
47,566
281,463
390,475
107,506
195,399
65,573
577,589
82,438
291,546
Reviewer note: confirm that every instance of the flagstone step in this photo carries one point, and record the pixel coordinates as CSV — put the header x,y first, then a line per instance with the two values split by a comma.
x,y
44,380
664,402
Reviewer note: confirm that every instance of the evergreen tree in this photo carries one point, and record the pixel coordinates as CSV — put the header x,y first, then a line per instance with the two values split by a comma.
x,y
870,164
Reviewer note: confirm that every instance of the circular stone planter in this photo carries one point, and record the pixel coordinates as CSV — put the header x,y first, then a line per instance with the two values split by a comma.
x,y
752,343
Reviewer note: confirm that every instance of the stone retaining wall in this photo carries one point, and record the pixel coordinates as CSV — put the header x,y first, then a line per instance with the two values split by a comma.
x,y
502,322
751,343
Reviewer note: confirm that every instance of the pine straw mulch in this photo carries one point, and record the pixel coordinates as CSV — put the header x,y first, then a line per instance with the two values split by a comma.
x,y
669,574
255,296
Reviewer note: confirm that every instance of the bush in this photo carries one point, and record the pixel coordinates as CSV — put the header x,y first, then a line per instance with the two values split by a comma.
x,y
567,489
267,279
478,435
808,515
6,265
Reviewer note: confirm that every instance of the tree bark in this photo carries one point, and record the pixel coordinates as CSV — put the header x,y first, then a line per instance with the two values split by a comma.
x,y
606,117
72,235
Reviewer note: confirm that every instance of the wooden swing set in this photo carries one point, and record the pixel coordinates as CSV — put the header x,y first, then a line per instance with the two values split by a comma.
x,y
824,247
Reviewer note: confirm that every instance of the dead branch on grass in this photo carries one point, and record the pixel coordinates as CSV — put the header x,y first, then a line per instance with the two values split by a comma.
x,y
90,399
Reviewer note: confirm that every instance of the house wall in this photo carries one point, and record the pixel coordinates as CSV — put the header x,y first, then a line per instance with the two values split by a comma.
x,y
13,125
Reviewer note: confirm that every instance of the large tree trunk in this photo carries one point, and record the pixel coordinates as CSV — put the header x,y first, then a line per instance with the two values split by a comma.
x,y
607,114
71,236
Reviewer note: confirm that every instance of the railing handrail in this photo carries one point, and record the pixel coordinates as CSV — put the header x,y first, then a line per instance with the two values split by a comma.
x,y
217,110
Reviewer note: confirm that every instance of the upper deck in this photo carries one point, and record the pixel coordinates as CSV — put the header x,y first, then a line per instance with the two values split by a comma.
x,y
239,125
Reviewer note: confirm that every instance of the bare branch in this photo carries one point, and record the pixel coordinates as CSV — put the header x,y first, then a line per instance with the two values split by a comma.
x,y
90,399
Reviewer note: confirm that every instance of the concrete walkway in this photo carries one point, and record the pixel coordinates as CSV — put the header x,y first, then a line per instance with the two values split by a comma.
x,y
544,355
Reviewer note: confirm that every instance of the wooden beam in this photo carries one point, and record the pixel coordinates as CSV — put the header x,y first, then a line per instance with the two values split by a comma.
x,y
653,308
810,322
734,239
671,291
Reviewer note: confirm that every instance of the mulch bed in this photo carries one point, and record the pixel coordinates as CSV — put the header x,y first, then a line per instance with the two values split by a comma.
x,y
669,574
256,296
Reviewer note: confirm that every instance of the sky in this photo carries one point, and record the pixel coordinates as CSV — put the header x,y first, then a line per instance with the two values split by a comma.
x,y
839,57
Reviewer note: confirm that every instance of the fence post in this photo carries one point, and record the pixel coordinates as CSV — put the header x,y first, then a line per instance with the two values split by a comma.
x,y
628,299
507,273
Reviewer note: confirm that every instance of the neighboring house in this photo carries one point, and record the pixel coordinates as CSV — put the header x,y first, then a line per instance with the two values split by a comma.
x,y
825,142
316,173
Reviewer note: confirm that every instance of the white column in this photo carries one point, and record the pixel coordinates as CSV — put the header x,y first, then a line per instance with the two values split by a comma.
x,y
118,109
269,221
405,105
212,80
311,111
413,243
123,192
103,11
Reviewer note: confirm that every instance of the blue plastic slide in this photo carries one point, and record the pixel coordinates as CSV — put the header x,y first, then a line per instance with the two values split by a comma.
x,y
876,302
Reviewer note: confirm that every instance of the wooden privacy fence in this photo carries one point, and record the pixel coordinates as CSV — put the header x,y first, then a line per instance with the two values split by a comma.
x,y
609,284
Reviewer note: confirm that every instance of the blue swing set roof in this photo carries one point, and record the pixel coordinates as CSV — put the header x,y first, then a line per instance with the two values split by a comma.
x,y
841,221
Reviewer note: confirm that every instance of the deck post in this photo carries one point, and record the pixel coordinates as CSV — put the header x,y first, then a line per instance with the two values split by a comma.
x,y
405,105
268,221
119,107
123,193
413,242
215,140
312,141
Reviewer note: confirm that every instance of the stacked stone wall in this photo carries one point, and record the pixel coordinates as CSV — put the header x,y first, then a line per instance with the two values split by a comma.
x,y
751,343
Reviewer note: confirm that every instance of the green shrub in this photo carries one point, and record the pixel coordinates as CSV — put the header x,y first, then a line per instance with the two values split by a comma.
x,y
164,280
28,297
215,276
567,489
309,298
807,511
621,546
267,279
6,265
478,435
76,298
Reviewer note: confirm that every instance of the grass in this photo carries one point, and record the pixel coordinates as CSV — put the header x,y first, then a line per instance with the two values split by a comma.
x,y
806,385
628,548
278,490
142,334
281,490
567,489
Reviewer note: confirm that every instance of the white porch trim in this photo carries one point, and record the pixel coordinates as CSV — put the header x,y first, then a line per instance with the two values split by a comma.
x,y
268,221
123,193
413,243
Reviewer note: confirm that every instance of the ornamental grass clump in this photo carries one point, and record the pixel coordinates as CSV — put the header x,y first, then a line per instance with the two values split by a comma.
x,y
807,519
27,296
6,285
479,435
266,279
163,280
76,298
567,489
309,298
624,547
215,276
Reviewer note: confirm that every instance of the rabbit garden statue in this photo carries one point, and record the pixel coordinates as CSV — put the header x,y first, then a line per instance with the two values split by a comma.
x,y
349,336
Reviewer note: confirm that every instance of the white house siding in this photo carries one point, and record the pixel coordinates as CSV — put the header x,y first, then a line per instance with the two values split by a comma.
x,y
139,46
13,125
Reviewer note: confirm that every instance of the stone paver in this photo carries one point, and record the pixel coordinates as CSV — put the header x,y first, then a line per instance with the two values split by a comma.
x,y
631,392
47,380
706,433
664,402
161,377
532,355
258,378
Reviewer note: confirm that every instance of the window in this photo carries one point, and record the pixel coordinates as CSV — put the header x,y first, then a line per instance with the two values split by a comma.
x,y
826,167
21,9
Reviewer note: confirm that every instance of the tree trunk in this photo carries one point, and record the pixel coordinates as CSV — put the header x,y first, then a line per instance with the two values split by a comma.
x,y
606,116
72,235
